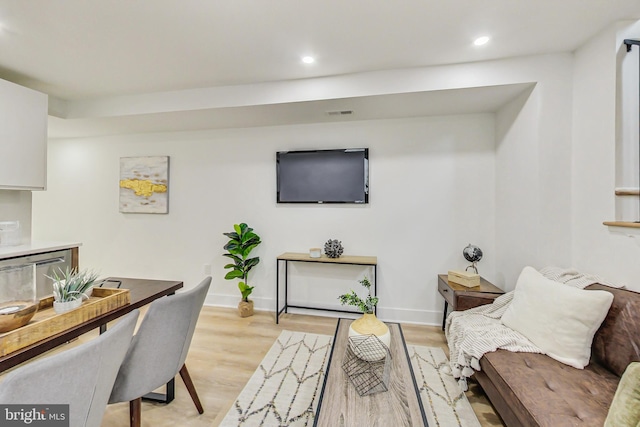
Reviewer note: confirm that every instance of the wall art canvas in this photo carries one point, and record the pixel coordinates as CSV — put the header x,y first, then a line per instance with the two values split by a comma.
x,y
144,184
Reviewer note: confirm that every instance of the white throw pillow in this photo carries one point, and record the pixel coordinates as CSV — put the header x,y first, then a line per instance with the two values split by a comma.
x,y
559,319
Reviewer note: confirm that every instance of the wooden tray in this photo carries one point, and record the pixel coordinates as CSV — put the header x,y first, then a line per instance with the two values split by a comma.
x,y
47,322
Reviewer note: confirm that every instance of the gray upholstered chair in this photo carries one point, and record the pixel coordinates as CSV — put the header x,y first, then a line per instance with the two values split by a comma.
x,y
159,349
81,377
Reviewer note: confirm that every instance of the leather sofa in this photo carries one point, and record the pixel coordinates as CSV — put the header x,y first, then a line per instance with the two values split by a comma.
x,y
534,390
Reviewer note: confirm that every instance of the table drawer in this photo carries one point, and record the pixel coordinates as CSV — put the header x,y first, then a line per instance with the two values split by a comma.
x,y
447,293
474,299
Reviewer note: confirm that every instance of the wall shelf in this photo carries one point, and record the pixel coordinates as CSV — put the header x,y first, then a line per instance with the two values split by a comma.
x,y
622,224
627,192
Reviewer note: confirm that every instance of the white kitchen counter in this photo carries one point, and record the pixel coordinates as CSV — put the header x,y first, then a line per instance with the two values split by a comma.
x,y
35,247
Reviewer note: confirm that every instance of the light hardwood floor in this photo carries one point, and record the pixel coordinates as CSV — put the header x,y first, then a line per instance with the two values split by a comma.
x,y
227,349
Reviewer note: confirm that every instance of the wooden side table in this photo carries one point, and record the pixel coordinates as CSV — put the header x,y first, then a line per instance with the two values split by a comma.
x,y
462,298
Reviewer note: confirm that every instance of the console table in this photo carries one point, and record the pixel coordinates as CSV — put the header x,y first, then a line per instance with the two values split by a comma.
x,y
288,257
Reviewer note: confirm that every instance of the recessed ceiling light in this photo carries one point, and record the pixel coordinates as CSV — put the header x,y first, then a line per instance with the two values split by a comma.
x,y
481,41
308,59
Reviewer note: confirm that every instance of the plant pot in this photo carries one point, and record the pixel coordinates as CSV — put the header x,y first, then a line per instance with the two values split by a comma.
x,y
245,308
369,324
87,294
63,307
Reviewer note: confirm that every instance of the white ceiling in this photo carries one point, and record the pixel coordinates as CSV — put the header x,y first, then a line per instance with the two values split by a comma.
x,y
78,50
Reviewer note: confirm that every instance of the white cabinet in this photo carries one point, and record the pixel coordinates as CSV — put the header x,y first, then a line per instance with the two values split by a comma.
x,y
23,138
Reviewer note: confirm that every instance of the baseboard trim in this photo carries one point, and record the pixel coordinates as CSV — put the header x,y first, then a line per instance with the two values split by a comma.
x,y
263,304
387,314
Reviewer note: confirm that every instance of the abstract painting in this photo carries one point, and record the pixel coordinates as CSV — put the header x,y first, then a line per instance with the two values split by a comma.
x,y
144,184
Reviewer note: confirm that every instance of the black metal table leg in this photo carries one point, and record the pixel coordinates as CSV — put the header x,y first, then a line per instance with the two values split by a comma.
x,y
444,316
286,285
375,287
277,291
163,398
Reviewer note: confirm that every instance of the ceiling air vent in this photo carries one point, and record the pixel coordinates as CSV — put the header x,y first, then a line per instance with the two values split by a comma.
x,y
340,113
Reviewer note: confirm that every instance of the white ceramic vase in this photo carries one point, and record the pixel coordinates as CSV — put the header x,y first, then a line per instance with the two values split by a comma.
x,y
369,324
63,307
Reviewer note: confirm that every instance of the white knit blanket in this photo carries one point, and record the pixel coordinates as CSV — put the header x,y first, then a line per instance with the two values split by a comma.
x,y
474,332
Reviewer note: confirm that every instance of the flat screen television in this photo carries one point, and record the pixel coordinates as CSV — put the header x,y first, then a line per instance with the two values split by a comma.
x,y
323,176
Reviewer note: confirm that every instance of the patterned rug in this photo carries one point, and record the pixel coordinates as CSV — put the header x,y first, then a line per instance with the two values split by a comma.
x,y
285,389
444,402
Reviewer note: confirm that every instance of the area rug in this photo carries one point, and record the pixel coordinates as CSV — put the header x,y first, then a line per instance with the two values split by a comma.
x,y
285,389
444,402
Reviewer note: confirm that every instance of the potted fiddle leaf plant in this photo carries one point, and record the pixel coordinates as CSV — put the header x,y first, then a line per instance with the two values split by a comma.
x,y
241,242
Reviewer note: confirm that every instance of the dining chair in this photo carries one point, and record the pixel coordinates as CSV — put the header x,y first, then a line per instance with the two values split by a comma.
x,y
81,377
159,349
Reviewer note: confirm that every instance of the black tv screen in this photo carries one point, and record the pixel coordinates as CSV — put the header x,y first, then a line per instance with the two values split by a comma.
x,y
323,176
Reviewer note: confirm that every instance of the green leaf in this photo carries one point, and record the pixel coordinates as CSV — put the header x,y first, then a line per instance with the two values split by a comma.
x,y
236,258
232,236
236,252
249,236
234,274
245,290
251,242
247,250
232,244
365,282
251,262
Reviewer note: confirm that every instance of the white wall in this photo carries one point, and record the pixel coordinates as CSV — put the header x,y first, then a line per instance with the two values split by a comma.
x,y
611,252
533,173
432,186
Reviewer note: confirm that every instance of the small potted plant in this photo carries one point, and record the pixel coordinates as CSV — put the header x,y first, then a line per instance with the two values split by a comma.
x,y
367,324
241,242
70,287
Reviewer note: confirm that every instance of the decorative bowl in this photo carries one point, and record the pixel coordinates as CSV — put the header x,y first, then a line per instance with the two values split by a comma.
x,y
18,302
14,314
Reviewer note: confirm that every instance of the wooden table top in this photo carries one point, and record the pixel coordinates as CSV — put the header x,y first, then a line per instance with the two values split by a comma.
x,y
142,292
341,405
485,286
344,259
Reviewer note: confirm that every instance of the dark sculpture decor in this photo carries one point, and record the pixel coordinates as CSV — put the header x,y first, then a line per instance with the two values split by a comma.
x,y
473,254
333,248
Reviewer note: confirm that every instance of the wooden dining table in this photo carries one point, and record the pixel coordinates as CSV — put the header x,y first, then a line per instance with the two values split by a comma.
x,y
142,292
